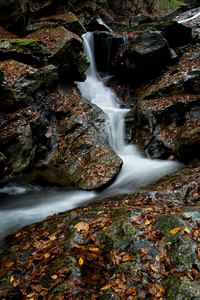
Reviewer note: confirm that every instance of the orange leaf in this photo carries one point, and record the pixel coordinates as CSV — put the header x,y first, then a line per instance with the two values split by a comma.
x,y
10,264
18,234
175,230
47,255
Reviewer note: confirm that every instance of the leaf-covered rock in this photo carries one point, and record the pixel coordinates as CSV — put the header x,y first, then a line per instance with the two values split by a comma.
x,y
66,48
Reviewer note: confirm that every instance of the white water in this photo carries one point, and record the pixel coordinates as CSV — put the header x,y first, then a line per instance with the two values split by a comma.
x,y
136,169
25,204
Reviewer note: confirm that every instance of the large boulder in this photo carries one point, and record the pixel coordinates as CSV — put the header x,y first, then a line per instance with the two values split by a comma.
x,y
187,143
69,21
31,52
22,139
22,81
139,246
183,78
106,46
66,48
175,33
142,57
82,155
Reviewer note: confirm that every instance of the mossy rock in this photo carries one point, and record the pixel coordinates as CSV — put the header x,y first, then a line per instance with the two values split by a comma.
x,y
24,50
175,33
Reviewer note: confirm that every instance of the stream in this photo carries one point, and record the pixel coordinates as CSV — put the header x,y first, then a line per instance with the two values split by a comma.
x,y
23,204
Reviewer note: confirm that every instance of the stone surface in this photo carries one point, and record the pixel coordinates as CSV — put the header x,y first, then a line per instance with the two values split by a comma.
x,y
26,51
66,48
82,156
22,81
142,57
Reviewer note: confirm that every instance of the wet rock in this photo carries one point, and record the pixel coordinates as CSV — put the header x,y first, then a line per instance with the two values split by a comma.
x,y
22,81
142,58
31,52
175,33
66,49
106,45
83,156
140,19
124,245
187,143
98,25
22,138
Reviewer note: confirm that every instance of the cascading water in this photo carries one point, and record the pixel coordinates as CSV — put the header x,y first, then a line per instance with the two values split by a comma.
x,y
21,205
136,169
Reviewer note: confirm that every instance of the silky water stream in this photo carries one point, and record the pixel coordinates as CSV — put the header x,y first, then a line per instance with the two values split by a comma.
x,y
21,205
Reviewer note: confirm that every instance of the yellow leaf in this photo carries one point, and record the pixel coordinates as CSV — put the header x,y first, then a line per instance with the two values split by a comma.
x,y
160,288
79,246
81,261
94,249
46,255
18,234
16,283
147,222
175,230
54,277
105,287
186,230
159,187
11,278
105,227
149,208
10,264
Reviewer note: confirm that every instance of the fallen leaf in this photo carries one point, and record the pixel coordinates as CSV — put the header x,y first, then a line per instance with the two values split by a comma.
x,y
47,255
10,264
18,234
82,226
186,230
175,230
105,287
160,288
81,261
11,278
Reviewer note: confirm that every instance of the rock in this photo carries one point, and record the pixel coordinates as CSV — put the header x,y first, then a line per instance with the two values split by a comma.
x,y
66,50
183,78
83,156
23,139
142,58
69,21
106,45
30,52
187,143
21,12
14,15
191,18
157,123
98,25
125,245
50,77
22,81
140,19
175,33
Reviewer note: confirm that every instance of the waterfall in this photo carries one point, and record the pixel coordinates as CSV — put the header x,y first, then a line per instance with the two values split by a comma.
x,y
21,205
136,169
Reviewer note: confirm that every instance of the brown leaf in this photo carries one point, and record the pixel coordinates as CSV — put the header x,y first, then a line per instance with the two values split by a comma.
x,y
82,226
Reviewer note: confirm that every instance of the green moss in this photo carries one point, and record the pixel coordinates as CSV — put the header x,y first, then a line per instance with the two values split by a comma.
x,y
32,45
169,5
